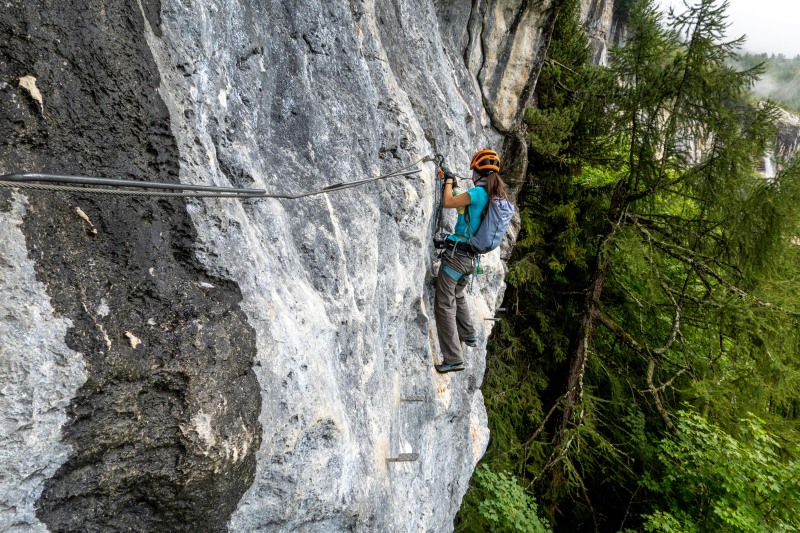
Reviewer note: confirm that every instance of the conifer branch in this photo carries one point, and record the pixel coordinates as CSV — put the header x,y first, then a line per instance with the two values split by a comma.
x,y
546,418
585,492
671,380
676,322
700,266
652,355
657,398
624,336
554,62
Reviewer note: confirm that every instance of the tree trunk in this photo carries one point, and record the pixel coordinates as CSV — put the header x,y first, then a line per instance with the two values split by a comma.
x,y
583,339
587,325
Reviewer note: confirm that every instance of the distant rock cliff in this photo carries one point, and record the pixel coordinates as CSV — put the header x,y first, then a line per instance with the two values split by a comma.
x,y
604,22
206,365
788,142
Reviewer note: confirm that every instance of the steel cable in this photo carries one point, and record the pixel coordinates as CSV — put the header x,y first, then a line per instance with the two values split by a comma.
x,y
19,181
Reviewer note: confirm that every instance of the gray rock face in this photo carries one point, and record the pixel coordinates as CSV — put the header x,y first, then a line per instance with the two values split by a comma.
x,y
507,43
243,365
165,344
39,376
788,141
604,22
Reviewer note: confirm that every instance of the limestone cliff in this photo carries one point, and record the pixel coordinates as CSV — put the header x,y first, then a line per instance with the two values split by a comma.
x,y
604,22
788,139
207,365
787,143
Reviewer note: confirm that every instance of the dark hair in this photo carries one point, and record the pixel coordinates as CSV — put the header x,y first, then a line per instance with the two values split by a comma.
x,y
495,186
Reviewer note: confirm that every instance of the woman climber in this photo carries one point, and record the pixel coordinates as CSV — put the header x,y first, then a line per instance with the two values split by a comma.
x,y
453,321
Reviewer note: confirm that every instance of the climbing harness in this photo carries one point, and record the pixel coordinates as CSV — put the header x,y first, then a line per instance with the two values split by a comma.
x,y
121,187
494,219
440,241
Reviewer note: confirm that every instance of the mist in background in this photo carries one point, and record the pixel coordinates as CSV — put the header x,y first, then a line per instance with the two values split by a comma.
x,y
771,26
771,30
780,81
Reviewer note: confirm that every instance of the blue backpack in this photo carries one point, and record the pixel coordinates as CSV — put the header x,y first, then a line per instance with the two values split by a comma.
x,y
493,227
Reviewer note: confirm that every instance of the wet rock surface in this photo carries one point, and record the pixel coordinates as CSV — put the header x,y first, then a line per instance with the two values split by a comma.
x,y
164,430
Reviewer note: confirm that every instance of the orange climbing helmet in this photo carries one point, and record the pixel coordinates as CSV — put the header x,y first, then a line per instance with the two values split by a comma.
x,y
485,161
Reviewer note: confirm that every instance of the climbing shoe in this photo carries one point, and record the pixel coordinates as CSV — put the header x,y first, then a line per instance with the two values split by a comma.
x,y
447,367
470,341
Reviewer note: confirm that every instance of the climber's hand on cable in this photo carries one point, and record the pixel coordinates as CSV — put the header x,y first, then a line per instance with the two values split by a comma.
x,y
448,175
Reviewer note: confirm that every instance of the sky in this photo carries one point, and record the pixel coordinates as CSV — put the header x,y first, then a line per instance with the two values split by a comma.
x,y
771,26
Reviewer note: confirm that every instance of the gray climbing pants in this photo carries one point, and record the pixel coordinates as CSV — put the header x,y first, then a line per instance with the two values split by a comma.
x,y
453,321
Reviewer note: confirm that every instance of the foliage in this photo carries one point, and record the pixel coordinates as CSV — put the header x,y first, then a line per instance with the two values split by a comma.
x,y
506,506
714,482
551,128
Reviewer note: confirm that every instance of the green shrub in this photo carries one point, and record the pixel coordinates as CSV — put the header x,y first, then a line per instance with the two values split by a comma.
x,y
507,507
712,481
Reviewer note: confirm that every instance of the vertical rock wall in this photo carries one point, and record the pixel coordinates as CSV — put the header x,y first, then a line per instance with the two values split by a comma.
x,y
163,430
787,142
788,139
39,374
243,365
604,22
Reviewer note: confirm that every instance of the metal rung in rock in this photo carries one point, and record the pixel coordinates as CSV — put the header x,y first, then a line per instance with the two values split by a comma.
x,y
413,399
403,458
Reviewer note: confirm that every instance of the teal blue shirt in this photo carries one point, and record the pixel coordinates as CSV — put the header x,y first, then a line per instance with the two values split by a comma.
x,y
479,198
